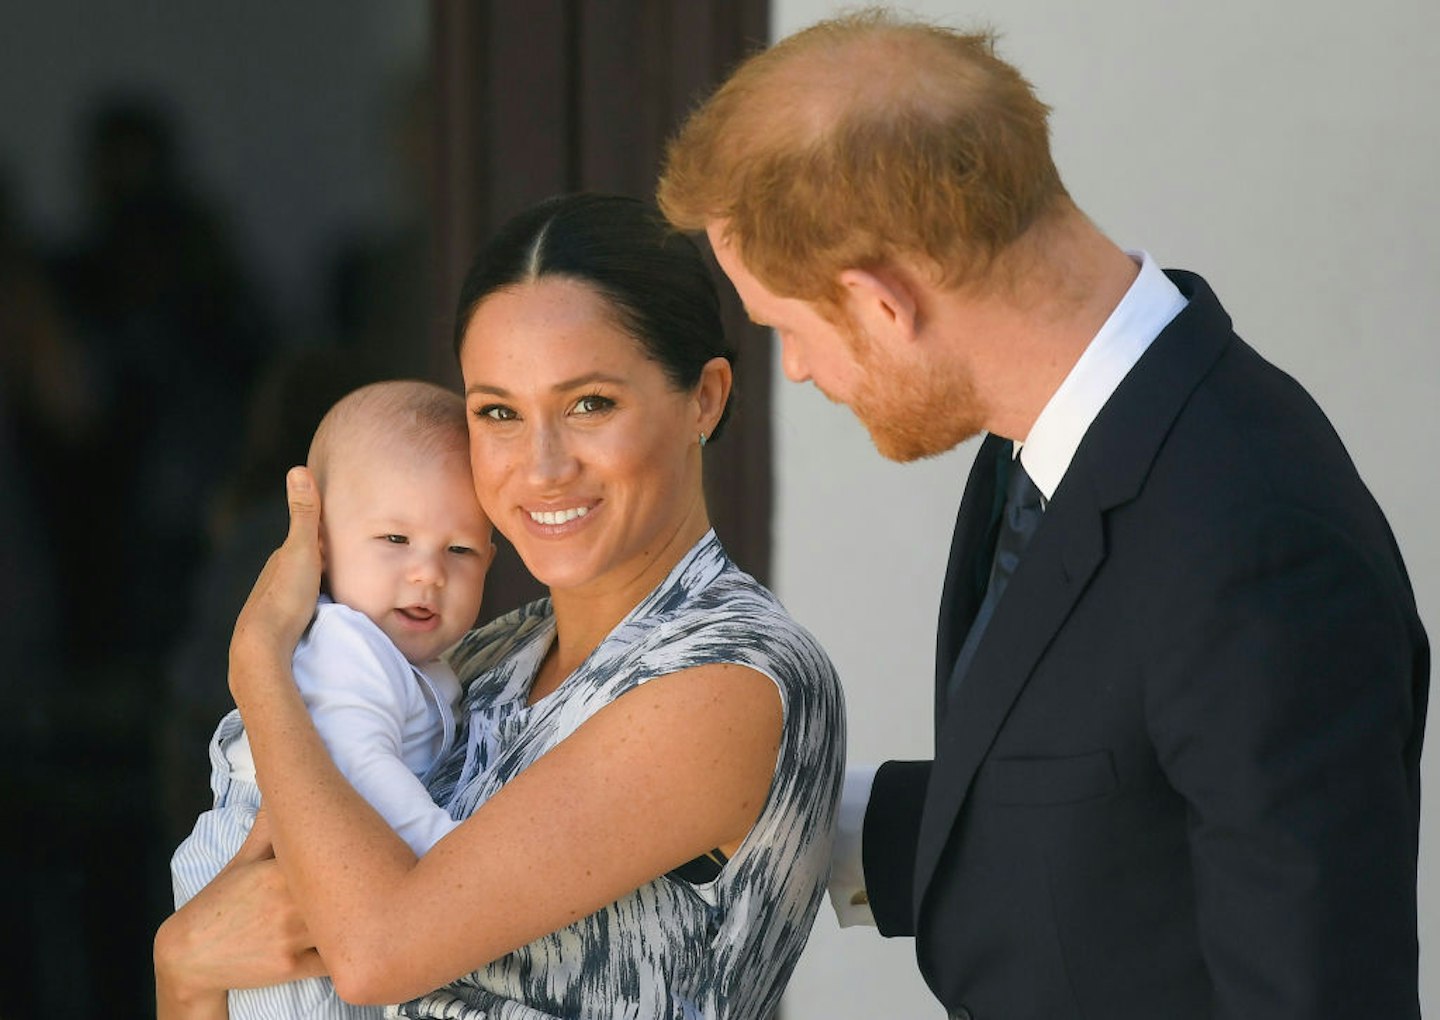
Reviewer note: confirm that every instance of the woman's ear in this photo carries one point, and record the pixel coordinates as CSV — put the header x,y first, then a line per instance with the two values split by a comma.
x,y
712,392
882,302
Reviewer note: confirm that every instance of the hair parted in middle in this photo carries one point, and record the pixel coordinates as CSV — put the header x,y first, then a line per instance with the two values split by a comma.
x,y
860,141
653,279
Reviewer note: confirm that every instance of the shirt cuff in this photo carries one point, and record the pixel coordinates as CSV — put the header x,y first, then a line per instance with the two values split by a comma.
x,y
847,865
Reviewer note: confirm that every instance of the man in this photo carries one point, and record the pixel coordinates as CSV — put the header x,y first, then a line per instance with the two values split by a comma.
x,y
1181,682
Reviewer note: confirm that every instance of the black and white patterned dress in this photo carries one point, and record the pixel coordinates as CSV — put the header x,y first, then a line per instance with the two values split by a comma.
x,y
670,949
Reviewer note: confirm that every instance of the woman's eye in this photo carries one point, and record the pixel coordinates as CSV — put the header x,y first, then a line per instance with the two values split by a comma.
x,y
593,403
396,539
497,412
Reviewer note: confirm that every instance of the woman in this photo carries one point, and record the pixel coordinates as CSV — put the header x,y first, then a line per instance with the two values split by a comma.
x,y
652,755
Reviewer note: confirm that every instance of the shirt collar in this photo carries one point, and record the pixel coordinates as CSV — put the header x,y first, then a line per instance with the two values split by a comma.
x,y
1146,309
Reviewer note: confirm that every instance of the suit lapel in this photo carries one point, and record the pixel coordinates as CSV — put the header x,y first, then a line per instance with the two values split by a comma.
x,y
969,560
1062,557
1108,470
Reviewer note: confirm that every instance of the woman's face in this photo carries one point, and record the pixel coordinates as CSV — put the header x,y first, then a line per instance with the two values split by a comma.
x,y
584,454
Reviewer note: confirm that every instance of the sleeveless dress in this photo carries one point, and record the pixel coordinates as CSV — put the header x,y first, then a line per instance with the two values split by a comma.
x,y
670,949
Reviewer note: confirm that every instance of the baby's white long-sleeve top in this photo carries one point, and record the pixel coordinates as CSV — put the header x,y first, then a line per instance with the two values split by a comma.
x,y
385,721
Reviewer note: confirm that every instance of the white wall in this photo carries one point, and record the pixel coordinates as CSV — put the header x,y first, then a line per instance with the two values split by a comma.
x,y
1287,151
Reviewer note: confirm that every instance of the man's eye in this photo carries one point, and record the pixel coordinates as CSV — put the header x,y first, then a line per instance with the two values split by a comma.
x,y
396,539
497,412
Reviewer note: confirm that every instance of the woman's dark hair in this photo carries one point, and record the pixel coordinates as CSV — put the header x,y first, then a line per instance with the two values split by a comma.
x,y
653,278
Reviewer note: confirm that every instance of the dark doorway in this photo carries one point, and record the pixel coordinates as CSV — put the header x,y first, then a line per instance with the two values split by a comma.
x,y
213,222
554,96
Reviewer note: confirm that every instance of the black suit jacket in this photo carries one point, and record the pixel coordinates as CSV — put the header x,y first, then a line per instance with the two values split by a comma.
x,y
1181,778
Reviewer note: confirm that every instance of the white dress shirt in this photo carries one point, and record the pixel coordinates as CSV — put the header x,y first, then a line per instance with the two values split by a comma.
x,y
1146,309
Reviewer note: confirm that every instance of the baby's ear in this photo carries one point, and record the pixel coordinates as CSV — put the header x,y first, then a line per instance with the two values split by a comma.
x,y
324,557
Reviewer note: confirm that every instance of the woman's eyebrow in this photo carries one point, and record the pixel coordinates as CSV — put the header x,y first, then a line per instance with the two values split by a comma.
x,y
587,379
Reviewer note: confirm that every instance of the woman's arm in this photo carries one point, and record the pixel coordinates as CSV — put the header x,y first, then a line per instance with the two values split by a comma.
x,y
242,930
678,766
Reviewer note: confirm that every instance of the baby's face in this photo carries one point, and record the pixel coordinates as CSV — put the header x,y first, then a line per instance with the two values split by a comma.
x,y
406,544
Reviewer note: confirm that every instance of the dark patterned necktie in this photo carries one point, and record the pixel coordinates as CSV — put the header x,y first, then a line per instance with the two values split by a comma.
x,y
1018,520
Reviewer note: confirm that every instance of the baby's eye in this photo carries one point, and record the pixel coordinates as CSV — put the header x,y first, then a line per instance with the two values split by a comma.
x,y
461,550
497,412
593,403
396,539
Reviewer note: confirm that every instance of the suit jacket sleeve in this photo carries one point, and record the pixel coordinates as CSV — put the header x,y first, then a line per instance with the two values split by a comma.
x,y
1286,705
892,827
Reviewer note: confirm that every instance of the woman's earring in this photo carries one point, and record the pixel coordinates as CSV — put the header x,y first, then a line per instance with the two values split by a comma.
x,y
703,437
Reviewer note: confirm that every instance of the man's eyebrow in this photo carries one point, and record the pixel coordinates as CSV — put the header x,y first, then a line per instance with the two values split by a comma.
x,y
587,379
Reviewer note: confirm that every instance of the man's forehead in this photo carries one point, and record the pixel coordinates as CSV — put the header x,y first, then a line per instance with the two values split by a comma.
x,y
728,254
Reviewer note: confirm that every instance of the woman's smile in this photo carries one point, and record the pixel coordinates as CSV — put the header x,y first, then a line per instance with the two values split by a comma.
x,y
580,443
557,517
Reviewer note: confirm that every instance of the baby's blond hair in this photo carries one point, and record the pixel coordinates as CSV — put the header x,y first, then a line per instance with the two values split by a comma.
x,y
428,420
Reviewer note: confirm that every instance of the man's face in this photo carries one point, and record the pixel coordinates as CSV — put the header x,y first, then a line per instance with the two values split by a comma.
x,y
811,346
911,407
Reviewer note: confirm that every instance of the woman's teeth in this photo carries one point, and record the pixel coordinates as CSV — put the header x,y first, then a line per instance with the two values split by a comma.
x,y
558,516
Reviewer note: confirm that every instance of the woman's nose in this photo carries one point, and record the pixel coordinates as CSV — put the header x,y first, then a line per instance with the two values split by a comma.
x,y
551,461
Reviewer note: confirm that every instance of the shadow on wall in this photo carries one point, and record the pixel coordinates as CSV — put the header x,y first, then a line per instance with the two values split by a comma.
x,y
150,402
130,353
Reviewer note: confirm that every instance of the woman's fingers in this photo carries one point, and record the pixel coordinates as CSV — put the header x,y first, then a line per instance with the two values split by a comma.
x,y
283,599
304,500
257,845
243,930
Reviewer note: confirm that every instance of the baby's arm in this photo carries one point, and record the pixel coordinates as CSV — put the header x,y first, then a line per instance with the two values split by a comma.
x,y
369,709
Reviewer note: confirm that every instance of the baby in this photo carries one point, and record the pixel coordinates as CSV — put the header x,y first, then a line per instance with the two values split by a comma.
x,y
406,548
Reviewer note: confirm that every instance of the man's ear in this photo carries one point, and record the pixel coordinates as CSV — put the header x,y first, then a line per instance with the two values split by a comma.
x,y
882,301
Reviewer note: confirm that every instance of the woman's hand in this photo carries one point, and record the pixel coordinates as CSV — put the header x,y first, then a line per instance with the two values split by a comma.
x,y
283,599
243,930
